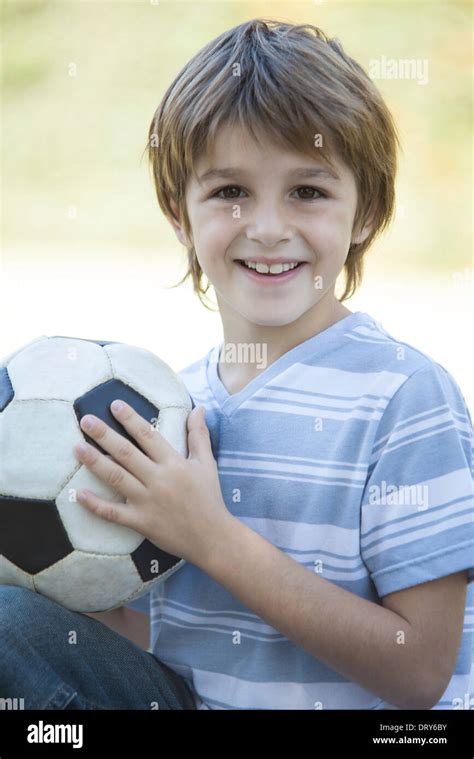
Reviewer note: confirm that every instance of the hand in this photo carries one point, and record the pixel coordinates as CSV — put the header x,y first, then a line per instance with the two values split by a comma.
x,y
176,503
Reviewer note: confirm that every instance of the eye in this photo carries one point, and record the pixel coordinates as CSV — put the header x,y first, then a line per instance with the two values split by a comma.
x,y
216,194
311,189
227,188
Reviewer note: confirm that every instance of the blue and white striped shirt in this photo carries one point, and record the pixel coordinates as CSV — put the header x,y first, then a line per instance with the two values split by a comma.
x,y
352,453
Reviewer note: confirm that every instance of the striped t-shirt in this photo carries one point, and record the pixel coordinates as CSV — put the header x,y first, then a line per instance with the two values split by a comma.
x,y
352,453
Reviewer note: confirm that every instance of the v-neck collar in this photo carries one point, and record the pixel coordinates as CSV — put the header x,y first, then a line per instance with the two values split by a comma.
x,y
316,345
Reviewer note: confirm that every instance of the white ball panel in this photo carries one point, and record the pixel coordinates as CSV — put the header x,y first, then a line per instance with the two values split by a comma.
x,y
36,441
149,375
87,582
87,531
172,424
13,575
58,368
6,359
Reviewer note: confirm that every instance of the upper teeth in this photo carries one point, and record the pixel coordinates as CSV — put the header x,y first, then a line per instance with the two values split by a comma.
x,y
273,269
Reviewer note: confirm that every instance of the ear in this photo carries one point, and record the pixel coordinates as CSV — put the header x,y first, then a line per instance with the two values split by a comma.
x,y
362,234
177,226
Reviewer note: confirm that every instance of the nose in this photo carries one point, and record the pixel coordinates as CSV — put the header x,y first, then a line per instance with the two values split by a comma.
x,y
269,224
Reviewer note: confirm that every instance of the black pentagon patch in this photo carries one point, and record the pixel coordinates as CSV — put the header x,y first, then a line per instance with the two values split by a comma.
x,y
6,388
97,342
32,535
97,401
148,552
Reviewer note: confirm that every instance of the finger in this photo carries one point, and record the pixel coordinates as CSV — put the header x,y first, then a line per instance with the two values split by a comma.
x,y
123,451
120,513
199,441
147,436
109,471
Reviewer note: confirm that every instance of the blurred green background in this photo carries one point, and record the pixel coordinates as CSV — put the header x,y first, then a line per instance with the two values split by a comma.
x,y
78,201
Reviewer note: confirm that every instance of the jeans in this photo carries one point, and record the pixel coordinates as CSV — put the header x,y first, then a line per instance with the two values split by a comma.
x,y
54,658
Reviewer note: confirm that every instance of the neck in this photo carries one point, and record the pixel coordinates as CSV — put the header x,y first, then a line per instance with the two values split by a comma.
x,y
280,339
273,342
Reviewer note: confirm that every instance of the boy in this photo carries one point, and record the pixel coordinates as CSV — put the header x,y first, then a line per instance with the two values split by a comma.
x,y
328,553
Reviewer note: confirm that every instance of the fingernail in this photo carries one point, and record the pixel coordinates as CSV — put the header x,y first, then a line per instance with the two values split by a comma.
x,y
117,406
88,423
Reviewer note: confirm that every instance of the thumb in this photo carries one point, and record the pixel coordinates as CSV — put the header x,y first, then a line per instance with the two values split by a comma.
x,y
199,441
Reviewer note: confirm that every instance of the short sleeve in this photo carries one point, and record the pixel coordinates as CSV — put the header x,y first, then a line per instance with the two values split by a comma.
x,y
417,513
142,603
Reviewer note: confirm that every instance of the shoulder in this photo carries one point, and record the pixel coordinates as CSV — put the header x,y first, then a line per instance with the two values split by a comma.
x,y
400,369
424,427
379,347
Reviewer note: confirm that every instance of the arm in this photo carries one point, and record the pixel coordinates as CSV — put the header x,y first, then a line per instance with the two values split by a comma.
x,y
134,625
356,637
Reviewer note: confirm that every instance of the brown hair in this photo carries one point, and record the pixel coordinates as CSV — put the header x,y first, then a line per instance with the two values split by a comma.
x,y
291,83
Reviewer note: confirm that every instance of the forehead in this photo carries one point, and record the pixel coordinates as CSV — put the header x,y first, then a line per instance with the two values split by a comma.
x,y
235,148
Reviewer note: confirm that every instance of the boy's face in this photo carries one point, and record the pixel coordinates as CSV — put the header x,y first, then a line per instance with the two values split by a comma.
x,y
269,211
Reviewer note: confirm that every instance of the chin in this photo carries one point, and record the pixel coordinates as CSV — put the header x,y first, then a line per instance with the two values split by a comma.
x,y
276,320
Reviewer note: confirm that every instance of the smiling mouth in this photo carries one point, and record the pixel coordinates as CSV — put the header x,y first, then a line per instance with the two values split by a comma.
x,y
275,270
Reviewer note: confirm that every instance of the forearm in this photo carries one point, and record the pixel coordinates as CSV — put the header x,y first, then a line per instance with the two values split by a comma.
x,y
132,624
359,639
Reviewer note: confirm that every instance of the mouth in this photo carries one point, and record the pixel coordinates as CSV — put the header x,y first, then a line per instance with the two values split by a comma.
x,y
271,277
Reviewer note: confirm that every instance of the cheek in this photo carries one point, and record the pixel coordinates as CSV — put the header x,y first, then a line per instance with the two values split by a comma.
x,y
331,232
216,227
211,244
214,239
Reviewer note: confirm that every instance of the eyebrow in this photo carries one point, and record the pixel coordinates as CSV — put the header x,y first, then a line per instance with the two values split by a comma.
x,y
303,172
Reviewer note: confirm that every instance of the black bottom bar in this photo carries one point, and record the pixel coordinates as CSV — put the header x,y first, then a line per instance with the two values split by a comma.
x,y
144,733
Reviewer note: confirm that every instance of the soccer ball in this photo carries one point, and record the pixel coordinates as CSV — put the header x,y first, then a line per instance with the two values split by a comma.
x,y
49,542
